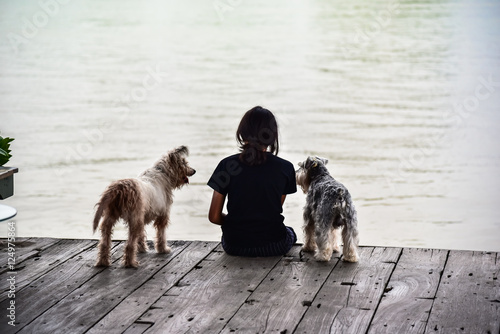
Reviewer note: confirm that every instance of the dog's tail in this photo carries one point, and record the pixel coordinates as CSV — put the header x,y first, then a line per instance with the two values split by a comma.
x,y
120,198
98,214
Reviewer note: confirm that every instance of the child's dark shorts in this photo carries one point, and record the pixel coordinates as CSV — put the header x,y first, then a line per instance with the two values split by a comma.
x,y
273,249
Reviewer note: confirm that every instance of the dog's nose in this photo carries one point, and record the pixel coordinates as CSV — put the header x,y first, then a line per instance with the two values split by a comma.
x,y
194,172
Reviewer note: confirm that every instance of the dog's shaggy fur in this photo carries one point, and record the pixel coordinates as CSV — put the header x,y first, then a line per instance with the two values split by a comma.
x,y
139,201
328,209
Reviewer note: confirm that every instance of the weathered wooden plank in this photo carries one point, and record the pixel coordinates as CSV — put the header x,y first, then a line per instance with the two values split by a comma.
x,y
137,328
45,261
410,292
49,289
350,295
223,293
279,302
25,248
85,306
132,307
209,295
468,298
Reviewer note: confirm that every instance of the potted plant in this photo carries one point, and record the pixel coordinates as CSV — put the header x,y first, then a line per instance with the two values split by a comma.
x,y
6,173
5,150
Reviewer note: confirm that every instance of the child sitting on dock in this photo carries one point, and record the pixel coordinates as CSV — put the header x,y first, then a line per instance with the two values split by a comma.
x,y
256,183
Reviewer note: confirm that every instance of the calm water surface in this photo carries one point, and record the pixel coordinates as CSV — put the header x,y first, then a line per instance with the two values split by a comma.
x,y
402,97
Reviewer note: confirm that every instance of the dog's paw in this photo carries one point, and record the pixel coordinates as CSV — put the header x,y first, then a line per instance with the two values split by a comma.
x,y
164,250
102,263
323,256
308,248
351,258
131,264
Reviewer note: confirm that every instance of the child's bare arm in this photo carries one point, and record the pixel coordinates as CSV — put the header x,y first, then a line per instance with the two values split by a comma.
x,y
215,214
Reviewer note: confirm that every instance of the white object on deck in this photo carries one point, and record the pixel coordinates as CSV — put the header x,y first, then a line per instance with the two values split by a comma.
x,y
7,212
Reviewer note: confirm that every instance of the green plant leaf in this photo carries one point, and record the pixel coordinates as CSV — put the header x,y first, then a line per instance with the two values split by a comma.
x,y
5,143
5,150
4,157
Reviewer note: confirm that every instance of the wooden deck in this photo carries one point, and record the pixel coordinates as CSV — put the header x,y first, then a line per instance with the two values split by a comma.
x,y
200,289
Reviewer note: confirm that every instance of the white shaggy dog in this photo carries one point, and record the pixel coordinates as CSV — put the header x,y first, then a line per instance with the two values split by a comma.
x,y
139,201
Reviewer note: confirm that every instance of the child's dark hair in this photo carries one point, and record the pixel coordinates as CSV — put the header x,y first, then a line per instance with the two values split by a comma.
x,y
257,131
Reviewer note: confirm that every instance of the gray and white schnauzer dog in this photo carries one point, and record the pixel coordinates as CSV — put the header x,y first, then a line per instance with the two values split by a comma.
x,y
328,209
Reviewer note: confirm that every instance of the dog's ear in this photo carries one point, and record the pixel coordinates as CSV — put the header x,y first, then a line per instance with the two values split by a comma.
x,y
323,160
176,155
182,150
307,163
310,163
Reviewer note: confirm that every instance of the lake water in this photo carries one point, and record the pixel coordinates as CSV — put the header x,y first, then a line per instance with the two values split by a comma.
x,y
402,97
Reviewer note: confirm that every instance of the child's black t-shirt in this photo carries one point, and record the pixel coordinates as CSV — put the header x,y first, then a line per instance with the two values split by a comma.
x,y
253,199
